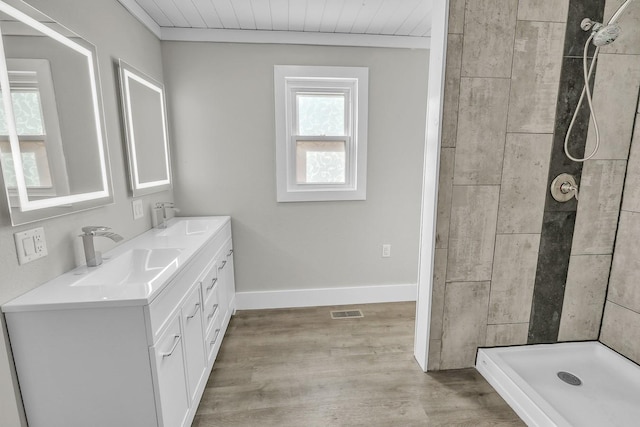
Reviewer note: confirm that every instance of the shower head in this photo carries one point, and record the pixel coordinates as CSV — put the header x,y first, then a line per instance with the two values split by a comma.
x,y
607,34
602,34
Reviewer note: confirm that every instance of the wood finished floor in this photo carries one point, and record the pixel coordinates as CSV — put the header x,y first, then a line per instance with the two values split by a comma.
x,y
297,367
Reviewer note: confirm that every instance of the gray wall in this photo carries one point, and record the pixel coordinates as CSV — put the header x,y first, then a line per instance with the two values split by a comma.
x,y
116,34
222,108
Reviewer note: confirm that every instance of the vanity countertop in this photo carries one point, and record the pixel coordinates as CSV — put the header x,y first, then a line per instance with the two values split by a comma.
x,y
133,273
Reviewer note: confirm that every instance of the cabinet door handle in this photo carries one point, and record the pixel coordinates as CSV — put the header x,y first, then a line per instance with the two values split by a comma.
x,y
175,344
213,282
230,253
223,264
195,311
215,308
215,338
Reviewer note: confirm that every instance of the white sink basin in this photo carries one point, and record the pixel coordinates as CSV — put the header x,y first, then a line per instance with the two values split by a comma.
x,y
134,267
188,227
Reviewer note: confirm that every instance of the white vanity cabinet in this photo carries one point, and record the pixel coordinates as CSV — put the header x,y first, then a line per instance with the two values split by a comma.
x,y
118,361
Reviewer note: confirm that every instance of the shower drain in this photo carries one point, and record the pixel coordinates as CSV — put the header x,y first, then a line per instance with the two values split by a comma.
x,y
569,378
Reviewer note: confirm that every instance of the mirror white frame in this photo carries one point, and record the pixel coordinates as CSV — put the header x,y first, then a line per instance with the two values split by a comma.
x,y
30,210
134,136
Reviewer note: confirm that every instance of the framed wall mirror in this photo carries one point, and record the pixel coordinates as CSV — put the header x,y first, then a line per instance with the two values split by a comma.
x,y
146,135
53,150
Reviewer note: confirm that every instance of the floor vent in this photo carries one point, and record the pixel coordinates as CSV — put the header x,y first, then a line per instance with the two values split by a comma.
x,y
346,314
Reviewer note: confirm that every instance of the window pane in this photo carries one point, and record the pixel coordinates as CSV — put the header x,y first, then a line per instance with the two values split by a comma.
x,y
320,162
320,114
27,112
34,164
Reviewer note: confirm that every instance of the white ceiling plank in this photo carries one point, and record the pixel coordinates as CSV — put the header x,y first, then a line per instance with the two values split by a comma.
x,y
402,12
423,28
190,13
169,8
367,12
297,12
262,14
208,13
279,14
142,15
155,12
383,16
330,15
313,17
244,14
349,13
293,37
226,13
422,11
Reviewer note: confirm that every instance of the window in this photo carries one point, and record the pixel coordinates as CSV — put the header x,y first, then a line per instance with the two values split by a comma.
x,y
321,133
36,119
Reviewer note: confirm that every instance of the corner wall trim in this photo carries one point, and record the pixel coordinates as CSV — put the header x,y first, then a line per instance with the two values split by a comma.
x,y
325,296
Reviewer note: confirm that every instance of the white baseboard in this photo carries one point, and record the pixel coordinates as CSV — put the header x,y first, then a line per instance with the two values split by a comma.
x,y
325,296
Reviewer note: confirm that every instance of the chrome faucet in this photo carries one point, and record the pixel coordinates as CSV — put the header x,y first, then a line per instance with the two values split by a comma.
x,y
93,257
161,220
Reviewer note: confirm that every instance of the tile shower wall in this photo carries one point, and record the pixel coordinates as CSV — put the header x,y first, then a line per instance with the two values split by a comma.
x,y
621,322
503,69
512,266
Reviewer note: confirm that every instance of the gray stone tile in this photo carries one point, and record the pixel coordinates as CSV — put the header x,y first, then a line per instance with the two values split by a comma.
x,y
625,270
535,78
584,296
489,27
433,364
598,206
507,334
481,131
621,331
437,295
465,323
629,40
474,211
445,189
456,16
543,10
631,199
514,274
451,90
614,99
524,182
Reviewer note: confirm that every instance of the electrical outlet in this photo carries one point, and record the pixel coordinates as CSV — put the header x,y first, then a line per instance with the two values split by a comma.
x,y
138,209
386,251
30,245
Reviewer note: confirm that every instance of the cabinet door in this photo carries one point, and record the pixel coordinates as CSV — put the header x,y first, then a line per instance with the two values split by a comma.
x,y
168,359
193,341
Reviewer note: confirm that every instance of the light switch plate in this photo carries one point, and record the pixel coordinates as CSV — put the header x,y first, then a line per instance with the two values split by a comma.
x,y
30,245
138,209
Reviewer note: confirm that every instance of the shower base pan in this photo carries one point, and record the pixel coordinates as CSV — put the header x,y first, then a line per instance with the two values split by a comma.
x,y
528,378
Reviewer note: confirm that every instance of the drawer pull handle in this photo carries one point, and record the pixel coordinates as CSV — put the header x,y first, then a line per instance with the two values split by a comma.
x,y
230,253
175,344
215,337
213,282
196,307
223,264
215,308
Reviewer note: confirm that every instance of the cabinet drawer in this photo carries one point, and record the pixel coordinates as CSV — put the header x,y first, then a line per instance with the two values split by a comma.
x,y
212,308
210,282
214,337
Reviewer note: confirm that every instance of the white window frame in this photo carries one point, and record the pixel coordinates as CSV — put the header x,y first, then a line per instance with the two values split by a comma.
x,y
353,82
